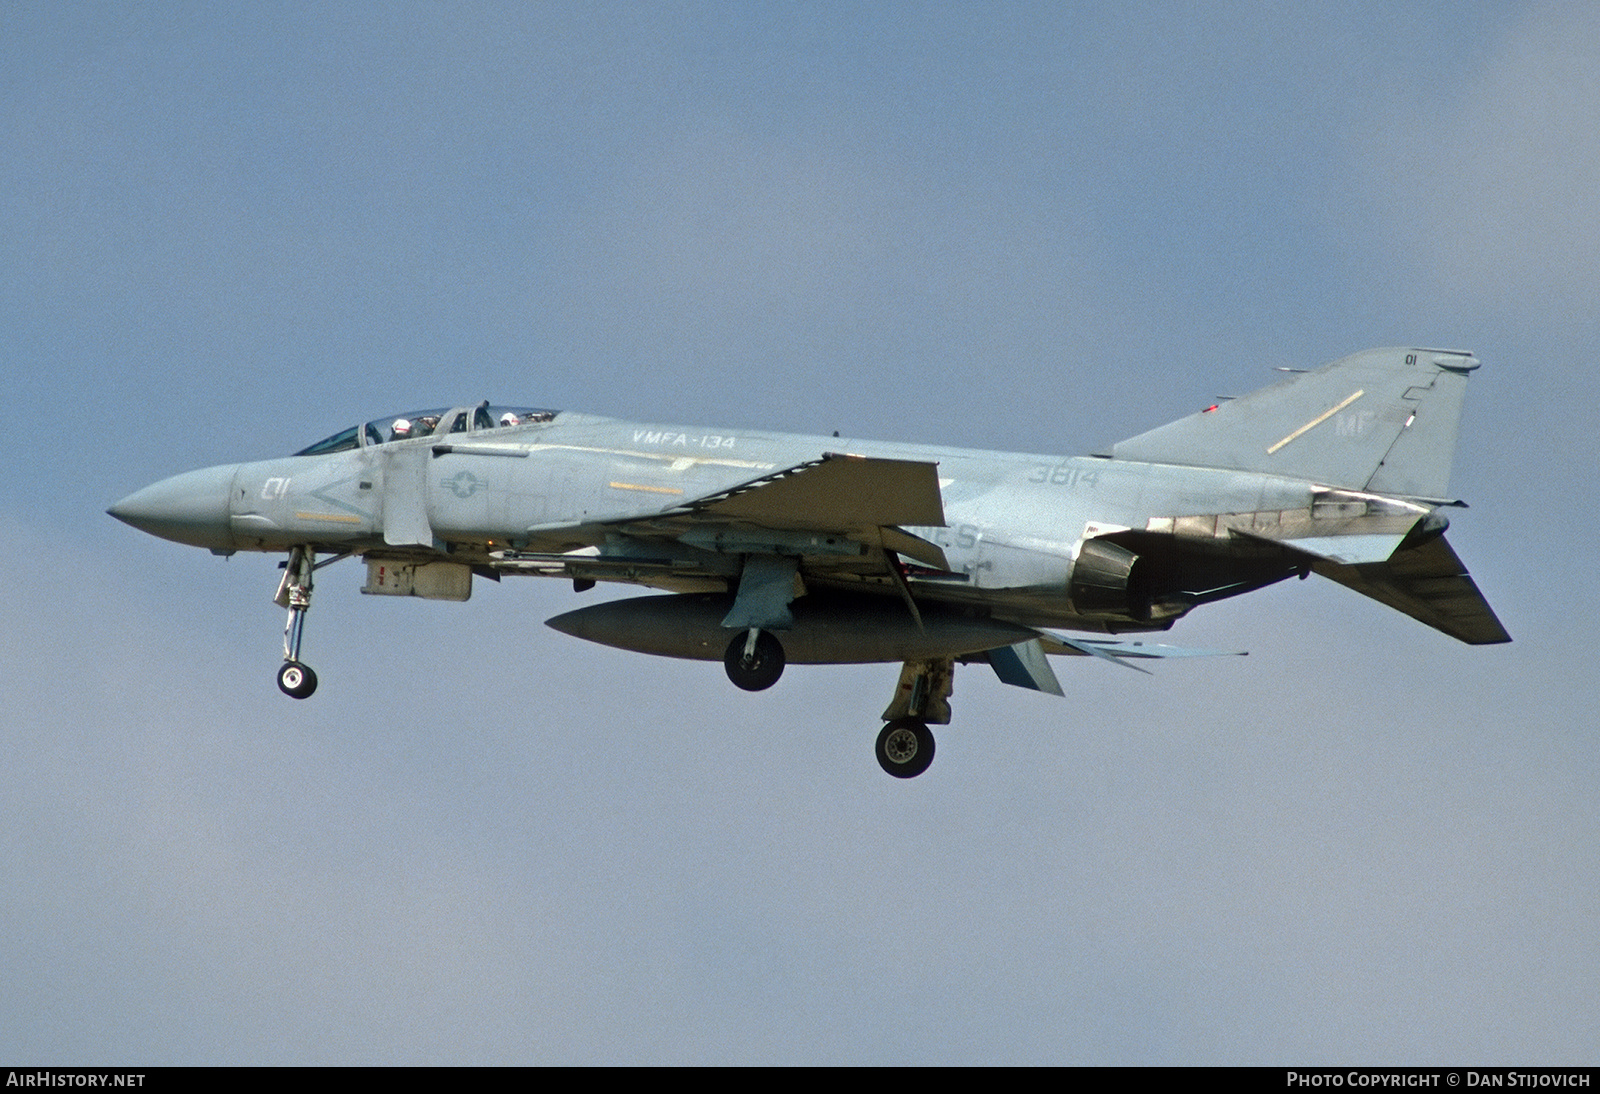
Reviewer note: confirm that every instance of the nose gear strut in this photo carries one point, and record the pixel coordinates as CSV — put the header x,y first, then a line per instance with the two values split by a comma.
x,y
294,592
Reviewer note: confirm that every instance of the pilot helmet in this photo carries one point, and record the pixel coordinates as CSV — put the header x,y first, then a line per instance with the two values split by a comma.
x,y
402,427
509,418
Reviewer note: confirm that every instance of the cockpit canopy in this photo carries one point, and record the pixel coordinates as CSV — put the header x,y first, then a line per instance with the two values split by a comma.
x,y
429,423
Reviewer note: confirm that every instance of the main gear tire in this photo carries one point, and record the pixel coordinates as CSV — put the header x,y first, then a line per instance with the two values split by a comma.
x,y
761,669
905,748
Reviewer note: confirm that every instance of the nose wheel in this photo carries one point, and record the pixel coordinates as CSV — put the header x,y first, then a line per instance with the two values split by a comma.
x,y
296,680
294,592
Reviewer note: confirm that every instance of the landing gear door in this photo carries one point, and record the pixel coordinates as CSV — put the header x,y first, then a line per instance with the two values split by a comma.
x,y
405,503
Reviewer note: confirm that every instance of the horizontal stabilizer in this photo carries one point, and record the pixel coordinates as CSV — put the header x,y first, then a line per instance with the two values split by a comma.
x,y
1429,584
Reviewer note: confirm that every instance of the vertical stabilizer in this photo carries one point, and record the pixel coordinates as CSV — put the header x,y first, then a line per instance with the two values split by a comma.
x,y
1383,420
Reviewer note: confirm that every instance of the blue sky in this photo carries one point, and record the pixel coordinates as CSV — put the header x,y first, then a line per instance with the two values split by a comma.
x,y
230,230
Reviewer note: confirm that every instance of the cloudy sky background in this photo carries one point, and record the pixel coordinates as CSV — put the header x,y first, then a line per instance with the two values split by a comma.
x,y
229,230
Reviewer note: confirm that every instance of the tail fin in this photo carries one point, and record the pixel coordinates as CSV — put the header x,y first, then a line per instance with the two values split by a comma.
x,y
1383,420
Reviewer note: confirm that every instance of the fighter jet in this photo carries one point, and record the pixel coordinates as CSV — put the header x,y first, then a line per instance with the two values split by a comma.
x,y
772,548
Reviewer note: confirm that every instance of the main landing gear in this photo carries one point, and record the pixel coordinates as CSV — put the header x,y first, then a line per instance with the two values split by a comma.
x,y
905,748
922,695
294,592
754,660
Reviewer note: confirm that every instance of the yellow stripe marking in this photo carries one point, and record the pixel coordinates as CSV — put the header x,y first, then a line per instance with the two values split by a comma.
x,y
642,486
1314,422
339,517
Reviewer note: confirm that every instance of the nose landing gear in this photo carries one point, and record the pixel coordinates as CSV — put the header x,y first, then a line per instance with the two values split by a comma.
x,y
296,680
294,592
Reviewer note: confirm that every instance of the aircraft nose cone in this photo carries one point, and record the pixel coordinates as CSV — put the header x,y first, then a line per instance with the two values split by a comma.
x,y
190,508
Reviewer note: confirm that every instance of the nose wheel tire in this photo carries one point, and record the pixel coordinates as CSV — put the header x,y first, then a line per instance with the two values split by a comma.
x,y
757,669
296,680
905,748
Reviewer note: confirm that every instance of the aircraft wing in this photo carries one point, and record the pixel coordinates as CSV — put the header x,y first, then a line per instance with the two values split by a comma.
x,y
828,506
1429,584
842,514
834,493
